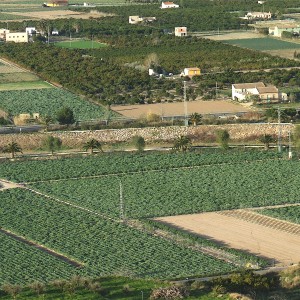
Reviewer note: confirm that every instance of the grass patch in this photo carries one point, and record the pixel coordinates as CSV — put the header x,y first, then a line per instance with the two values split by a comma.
x,y
262,44
80,44
47,102
17,77
24,85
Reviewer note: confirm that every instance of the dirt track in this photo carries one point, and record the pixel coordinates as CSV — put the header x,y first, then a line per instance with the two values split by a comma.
x,y
177,109
281,247
59,14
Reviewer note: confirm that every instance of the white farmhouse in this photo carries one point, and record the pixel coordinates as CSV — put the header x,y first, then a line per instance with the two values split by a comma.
x,y
169,5
17,37
3,33
180,31
245,91
30,30
258,15
280,28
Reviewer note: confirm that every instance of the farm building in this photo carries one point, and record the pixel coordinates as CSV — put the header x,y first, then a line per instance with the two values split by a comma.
x,y
180,31
258,15
17,37
55,3
3,33
30,30
138,19
169,5
190,72
279,29
246,91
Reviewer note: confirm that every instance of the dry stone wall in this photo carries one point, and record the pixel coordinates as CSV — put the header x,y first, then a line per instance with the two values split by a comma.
x,y
238,132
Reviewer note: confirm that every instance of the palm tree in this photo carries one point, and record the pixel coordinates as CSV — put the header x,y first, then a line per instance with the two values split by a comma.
x,y
195,118
267,139
12,148
183,143
91,145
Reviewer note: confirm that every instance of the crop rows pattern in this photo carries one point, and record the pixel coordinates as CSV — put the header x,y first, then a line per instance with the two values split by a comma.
x,y
289,213
30,171
49,102
21,263
182,191
105,247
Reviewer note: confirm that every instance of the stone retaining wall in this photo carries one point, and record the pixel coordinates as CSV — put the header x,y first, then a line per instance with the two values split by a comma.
x,y
238,132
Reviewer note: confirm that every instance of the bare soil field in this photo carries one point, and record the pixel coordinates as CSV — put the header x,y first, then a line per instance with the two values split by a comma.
x,y
4,185
279,246
177,109
285,53
59,14
234,35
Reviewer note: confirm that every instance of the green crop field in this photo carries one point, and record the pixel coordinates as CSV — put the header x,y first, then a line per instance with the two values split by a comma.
x,y
17,77
263,44
289,213
48,102
80,44
23,263
105,247
154,184
25,85
183,191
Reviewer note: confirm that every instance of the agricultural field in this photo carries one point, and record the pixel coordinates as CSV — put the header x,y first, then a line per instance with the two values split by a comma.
x,y
166,189
48,102
28,85
80,44
177,109
23,263
288,213
263,44
245,230
87,238
78,220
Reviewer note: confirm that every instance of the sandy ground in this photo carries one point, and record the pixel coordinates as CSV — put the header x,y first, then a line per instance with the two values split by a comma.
x,y
277,245
177,109
8,185
287,53
60,14
234,35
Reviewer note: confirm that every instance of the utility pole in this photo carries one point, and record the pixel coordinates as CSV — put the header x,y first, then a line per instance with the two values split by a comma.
x,y
216,90
122,204
186,121
48,35
290,146
279,130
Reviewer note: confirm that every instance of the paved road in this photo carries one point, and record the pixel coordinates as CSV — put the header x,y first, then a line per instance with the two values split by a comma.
x,y
20,129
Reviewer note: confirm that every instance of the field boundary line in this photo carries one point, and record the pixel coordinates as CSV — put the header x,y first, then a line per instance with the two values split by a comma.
x,y
72,205
215,253
70,261
150,170
263,220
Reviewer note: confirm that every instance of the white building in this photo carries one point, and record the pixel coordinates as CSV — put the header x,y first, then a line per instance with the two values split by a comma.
x,y
169,5
17,37
180,31
279,29
138,19
245,91
258,15
3,33
30,30
54,32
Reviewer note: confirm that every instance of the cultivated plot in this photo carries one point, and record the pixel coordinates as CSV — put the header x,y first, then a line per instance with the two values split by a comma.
x,y
177,109
260,238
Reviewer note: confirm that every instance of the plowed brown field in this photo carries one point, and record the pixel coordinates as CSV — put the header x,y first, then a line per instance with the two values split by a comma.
x,y
259,238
